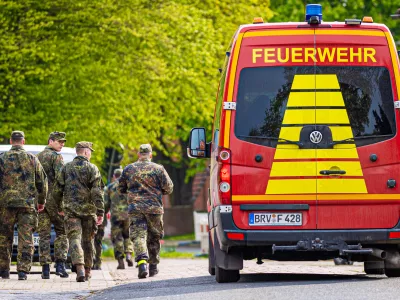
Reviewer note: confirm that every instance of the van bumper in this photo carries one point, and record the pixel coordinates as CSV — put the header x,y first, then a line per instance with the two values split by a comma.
x,y
224,224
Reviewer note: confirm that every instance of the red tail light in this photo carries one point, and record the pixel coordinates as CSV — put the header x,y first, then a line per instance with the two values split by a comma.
x,y
235,236
394,235
224,176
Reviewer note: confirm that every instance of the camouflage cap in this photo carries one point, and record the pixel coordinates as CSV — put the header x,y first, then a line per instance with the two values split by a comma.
x,y
145,148
58,136
117,172
17,134
84,145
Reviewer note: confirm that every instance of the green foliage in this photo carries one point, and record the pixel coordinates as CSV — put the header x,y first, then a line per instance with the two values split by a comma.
x,y
183,237
110,71
130,71
379,10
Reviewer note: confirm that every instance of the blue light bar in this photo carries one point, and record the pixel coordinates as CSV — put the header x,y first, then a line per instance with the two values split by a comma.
x,y
313,10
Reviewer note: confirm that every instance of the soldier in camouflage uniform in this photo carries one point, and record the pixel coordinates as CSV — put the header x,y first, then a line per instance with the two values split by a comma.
x,y
22,178
119,222
98,242
78,194
52,163
145,182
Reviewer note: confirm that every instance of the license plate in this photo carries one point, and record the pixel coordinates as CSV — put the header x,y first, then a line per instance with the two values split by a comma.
x,y
35,240
275,219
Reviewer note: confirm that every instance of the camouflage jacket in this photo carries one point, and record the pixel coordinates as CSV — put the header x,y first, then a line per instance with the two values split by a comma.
x,y
22,178
78,190
52,163
116,201
145,182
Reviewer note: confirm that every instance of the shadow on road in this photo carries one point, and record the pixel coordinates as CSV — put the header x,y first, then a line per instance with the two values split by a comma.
x,y
204,284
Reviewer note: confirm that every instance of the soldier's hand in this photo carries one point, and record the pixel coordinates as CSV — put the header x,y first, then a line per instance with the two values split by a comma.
x,y
61,213
99,220
40,207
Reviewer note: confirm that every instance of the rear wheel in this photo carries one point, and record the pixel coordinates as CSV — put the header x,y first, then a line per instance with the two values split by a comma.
x,y
392,264
392,272
374,267
223,276
211,257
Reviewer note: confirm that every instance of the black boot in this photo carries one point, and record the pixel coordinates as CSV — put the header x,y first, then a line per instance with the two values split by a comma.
x,y
60,270
5,274
153,270
129,259
142,271
22,276
121,265
45,272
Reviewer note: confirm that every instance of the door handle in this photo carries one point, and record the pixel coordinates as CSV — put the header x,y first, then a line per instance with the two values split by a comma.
x,y
332,172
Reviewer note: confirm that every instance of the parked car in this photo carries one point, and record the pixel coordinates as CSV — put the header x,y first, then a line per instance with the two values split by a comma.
x,y
68,155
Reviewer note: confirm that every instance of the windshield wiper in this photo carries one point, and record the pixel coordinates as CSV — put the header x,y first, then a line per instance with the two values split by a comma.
x,y
341,141
300,144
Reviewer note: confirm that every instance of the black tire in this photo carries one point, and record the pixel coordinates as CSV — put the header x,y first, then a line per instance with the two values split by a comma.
x,y
223,276
374,267
211,257
392,272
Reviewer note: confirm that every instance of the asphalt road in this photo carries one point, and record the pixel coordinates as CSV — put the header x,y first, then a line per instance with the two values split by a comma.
x,y
261,286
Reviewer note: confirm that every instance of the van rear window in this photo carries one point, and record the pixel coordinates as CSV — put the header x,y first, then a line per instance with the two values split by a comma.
x,y
263,95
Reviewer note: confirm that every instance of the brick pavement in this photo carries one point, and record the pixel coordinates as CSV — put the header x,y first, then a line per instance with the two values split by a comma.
x,y
67,288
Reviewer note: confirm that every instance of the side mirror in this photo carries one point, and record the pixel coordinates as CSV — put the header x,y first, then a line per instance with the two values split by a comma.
x,y
197,143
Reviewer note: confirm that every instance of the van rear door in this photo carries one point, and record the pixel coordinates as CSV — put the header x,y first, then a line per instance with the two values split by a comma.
x,y
270,167
355,88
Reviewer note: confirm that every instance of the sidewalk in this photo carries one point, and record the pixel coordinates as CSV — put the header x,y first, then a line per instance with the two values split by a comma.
x,y
67,288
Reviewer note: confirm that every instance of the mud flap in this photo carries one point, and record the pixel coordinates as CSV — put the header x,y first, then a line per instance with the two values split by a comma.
x,y
227,261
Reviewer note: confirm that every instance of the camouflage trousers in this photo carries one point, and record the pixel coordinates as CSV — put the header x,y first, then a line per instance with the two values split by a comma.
x,y
46,218
80,232
98,245
26,218
120,237
146,230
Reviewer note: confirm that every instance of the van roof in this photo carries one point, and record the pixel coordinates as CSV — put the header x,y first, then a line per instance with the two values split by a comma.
x,y
304,25
37,148
67,152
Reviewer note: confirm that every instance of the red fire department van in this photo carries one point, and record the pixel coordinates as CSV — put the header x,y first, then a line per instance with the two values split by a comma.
x,y
304,151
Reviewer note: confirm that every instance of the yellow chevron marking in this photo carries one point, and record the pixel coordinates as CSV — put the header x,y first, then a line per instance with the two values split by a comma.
x,y
311,115
315,99
303,82
309,82
311,153
299,116
341,185
312,168
292,186
327,81
301,99
331,116
329,99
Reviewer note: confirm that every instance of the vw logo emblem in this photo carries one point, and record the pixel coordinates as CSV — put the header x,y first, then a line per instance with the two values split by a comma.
x,y
315,137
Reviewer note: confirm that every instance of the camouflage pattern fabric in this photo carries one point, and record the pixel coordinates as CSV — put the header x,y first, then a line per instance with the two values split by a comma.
x,y
116,201
46,218
98,245
27,223
120,237
145,182
21,178
81,232
52,163
146,230
78,190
